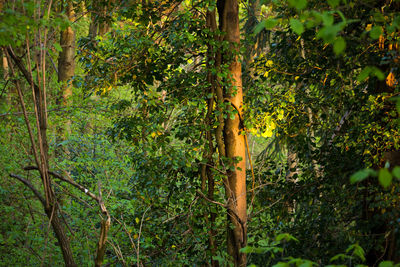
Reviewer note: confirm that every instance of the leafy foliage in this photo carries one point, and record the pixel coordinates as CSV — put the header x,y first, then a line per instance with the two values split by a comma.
x,y
320,82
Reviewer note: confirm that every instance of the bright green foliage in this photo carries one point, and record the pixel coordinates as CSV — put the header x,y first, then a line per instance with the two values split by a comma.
x,y
320,116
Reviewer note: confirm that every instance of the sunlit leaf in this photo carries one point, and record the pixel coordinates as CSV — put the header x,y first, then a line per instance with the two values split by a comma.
x,y
364,74
259,27
270,23
396,172
386,264
385,177
296,26
361,175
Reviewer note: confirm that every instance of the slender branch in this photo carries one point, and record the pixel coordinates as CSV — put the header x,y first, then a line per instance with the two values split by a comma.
x,y
31,187
21,67
140,231
212,201
70,181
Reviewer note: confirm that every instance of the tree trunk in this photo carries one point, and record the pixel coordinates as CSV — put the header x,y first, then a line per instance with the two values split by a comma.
x,y
234,134
99,24
66,70
40,147
59,232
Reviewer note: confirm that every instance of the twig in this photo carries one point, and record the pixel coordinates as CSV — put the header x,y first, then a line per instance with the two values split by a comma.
x,y
212,201
140,231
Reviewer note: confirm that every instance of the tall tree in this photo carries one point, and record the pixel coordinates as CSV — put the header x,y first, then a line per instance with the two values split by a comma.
x,y
233,132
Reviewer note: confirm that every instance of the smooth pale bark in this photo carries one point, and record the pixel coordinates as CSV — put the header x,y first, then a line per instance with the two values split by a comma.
x,y
66,67
66,59
233,134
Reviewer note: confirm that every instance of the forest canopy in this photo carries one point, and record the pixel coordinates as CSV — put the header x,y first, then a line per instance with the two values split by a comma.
x,y
200,133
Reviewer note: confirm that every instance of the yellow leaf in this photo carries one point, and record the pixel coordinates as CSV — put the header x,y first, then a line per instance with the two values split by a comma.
x,y
267,133
269,63
135,236
173,246
369,27
253,131
390,80
137,220
281,115
381,42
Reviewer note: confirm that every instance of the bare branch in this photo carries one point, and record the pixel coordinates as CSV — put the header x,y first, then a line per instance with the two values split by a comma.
x,y
70,181
212,201
22,68
31,187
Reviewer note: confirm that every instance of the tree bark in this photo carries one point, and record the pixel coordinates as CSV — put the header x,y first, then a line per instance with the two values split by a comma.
x,y
66,59
66,70
99,24
233,134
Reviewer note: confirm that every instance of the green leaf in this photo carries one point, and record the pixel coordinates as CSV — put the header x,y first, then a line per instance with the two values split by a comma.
x,y
286,237
299,4
398,105
296,26
57,47
385,177
364,74
281,264
378,73
307,264
386,264
270,23
329,32
247,250
333,3
265,24
396,172
357,250
339,45
375,32
340,256
259,27
327,19
361,175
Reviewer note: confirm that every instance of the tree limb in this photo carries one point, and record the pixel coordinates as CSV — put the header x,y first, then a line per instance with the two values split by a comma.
x,y
22,68
70,181
28,184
